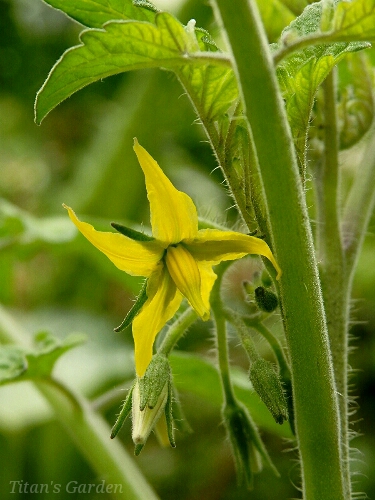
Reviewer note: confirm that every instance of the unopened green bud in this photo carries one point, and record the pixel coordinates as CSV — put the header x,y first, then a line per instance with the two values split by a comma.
x,y
248,449
148,400
265,299
267,384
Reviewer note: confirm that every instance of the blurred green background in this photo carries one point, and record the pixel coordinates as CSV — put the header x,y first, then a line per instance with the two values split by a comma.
x,y
52,279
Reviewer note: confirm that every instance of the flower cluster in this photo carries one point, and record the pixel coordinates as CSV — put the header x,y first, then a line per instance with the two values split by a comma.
x,y
177,260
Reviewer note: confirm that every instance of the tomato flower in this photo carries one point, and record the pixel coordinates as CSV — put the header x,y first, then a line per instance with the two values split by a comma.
x,y
177,260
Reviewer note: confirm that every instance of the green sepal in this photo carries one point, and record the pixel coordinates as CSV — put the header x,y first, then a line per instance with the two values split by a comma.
x,y
131,233
124,413
151,385
267,385
141,299
137,449
168,410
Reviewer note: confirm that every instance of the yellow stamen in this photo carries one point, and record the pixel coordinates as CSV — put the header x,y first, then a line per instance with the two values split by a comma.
x,y
185,273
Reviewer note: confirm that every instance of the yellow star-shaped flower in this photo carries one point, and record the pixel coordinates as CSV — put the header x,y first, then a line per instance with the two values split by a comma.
x,y
177,261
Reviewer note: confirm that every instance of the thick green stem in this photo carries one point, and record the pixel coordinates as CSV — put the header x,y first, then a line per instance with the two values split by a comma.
x,y
316,407
87,429
332,263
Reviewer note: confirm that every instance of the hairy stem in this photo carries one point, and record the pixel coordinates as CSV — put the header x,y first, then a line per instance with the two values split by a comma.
x,y
332,263
358,208
221,336
176,330
300,293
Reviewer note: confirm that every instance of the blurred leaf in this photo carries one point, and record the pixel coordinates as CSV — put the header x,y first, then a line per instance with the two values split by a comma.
x,y
94,13
302,73
17,225
355,20
296,6
18,365
194,374
120,46
356,105
12,363
275,16
101,363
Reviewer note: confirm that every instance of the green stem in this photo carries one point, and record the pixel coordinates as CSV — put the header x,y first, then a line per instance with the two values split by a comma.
x,y
358,208
301,43
221,337
326,37
87,429
316,407
218,144
274,343
332,263
90,433
176,330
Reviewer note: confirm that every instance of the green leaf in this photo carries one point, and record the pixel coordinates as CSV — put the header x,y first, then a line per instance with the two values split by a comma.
x,y
212,89
355,20
17,364
120,46
94,13
194,374
302,73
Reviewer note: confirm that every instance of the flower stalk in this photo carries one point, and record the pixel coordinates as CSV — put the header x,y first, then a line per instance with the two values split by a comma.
x,y
87,429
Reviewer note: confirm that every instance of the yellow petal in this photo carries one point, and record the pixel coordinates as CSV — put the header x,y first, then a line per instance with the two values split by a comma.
x,y
173,213
185,273
208,278
163,301
214,246
138,258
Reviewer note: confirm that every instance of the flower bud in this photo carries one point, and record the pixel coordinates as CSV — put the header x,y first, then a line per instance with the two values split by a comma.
x,y
144,420
149,397
152,395
247,446
265,299
268,387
